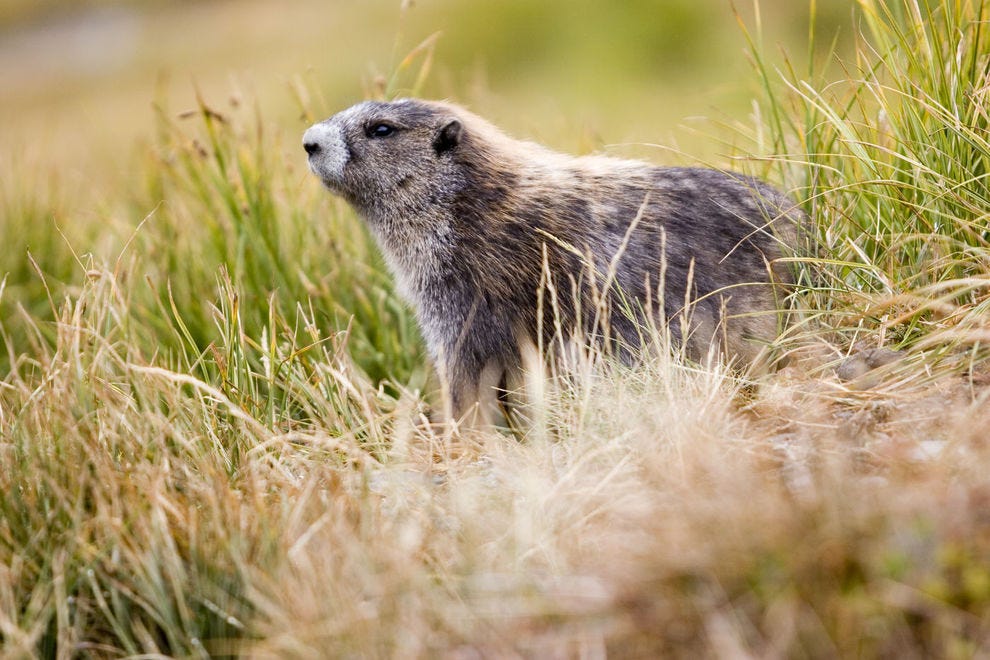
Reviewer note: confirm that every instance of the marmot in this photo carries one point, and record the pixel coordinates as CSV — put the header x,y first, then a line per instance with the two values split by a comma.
x,y
500,243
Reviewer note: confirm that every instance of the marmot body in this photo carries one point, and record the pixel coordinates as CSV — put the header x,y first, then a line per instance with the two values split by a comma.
x,y
481,231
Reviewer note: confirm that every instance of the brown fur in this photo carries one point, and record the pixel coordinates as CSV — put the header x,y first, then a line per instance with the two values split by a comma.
x,y
479,228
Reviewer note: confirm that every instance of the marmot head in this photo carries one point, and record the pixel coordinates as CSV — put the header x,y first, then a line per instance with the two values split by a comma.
x,y
387,156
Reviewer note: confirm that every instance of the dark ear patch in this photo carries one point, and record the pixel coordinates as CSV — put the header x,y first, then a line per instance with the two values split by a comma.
x,y
448,137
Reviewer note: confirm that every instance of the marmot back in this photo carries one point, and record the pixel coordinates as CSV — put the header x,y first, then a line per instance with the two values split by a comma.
x,y
479,229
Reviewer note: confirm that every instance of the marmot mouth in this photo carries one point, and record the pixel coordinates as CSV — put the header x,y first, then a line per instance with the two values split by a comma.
x,y
331,179
332,185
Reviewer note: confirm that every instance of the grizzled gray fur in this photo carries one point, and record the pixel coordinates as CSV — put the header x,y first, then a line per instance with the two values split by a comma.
x,y
479,229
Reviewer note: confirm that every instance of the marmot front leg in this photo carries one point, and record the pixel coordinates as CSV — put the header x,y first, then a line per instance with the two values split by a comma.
x,y
470,392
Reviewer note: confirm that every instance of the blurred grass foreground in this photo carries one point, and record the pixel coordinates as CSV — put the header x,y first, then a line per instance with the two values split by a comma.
x,y
212,431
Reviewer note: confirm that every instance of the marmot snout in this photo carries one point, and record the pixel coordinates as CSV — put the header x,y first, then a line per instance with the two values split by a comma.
x,y
477,226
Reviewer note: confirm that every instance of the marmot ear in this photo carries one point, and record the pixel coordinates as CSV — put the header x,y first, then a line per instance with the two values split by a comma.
x,y
448,137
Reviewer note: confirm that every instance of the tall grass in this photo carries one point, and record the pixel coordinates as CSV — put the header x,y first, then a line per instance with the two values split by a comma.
x,y
212,439
222,191
893,160
145,511
134,497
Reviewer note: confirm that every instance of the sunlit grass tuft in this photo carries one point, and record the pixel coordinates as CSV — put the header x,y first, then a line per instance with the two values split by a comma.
x,y
892,161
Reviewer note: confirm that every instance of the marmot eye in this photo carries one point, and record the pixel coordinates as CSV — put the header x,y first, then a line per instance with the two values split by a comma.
x,y
380,130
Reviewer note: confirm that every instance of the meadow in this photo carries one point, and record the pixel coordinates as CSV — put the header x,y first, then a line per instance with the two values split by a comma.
x,y
214,434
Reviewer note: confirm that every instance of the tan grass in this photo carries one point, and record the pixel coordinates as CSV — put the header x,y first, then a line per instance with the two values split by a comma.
x,y
660,510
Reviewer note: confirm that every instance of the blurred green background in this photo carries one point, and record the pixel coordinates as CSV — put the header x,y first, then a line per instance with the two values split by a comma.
x,y
78,77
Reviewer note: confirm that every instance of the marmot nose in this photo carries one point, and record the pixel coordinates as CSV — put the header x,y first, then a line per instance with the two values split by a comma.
x,y
311,148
